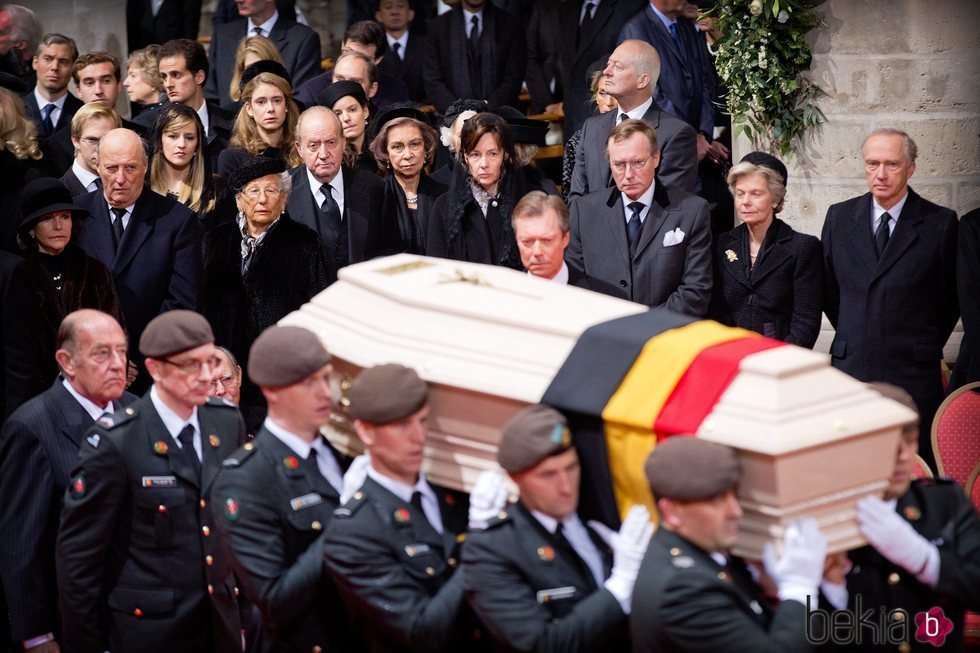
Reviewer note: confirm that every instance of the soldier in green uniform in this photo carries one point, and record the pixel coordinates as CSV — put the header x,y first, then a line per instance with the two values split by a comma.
x,y
924,555
392,550
138,565
538,578
277,494
691,596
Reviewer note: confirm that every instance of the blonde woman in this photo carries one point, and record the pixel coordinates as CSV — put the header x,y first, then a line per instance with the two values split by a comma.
x,y
266,123
19,154
143,85
251,50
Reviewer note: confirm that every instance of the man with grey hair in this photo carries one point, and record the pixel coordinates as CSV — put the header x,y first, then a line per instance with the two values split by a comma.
x,y
342,204
540,224
50,105
890,278
20,32
630,76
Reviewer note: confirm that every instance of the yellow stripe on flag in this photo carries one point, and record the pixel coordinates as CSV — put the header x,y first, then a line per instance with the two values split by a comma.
x,y
631,412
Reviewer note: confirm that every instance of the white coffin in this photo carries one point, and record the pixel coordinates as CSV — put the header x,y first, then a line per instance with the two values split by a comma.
x,y
489,341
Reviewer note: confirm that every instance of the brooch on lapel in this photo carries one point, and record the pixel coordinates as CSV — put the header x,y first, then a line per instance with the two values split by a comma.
x,y
160,447
402,516
546,553
731,256
290,462
214,440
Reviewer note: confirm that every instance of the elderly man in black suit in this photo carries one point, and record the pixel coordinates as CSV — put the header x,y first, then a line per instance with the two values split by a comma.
x,y
40,441
405,48
642,240
967,368
150,243
890,278
298,44
50,105
595,25
139,569
340,203
630,76
474,51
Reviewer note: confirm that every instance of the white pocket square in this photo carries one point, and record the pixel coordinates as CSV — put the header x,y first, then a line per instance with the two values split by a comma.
x,y
675,237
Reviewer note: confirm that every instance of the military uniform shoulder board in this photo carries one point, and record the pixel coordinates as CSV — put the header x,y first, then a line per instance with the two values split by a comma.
x,y
351,506
116,419
500,518
242,454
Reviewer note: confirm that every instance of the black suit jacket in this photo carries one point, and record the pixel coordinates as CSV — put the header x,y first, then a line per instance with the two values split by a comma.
x,y
73,184
533,595
176,19
139,568
407,68
72,104
578,54
390,89
39,442
273,520
967,368
158,265
678,152
502,59
367,236
298,44
780,296
894,315
543,57
19,355
674,276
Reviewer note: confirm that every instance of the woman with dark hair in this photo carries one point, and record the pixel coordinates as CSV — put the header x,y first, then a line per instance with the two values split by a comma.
x,y
404,146
178,166
260,267
62,277
767,276
347,100
471,222
266,123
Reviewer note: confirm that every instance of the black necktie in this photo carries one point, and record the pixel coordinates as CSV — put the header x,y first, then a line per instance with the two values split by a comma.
x,y
633,226
881,233
573,555
673,32
623,117
396,48
586,24
186,438
117,226
257,30
475,33
48,123
332,227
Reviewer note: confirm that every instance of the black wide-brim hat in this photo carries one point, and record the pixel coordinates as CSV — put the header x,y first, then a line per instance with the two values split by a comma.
x,y
44,196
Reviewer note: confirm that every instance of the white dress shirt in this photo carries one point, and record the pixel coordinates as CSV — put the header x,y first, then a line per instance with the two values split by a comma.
x,y
646,199
430,502
59,105
84,176
174,424
93,411
877,210
576,534
337,184
266,26
636,113
325,460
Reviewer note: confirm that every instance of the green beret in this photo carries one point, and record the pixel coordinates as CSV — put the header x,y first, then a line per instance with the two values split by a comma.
x,y
386,393
284,355
173,332
687,468
532,435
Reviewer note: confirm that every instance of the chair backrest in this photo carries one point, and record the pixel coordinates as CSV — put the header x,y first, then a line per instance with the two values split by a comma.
x,y
956,434
973,487
921,469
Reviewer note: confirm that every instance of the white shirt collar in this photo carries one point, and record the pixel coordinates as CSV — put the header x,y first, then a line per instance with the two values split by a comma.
x,y
663,19
126,217
325,460
59,103
337,183
299,445
171,421
468,20
84,176
646,199
550,523
203,115
94,411
636,113
403,41
266,26
561,276
877,210
403,491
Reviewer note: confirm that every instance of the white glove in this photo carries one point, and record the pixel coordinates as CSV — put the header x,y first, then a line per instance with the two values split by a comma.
x,y
799,570
892,536
354,477
628,547
487,498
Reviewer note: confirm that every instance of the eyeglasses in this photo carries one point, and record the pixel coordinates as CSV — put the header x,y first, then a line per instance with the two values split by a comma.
x,y
225,382
193,367
637,165
254,192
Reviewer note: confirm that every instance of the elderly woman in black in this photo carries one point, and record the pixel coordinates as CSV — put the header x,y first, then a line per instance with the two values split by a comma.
x,y
767,276
471,222
62,277
260,267
404,145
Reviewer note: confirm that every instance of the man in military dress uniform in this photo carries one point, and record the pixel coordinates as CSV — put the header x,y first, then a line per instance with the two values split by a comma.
x,y
393,548
279,491
138,565
690,595
538,578
924,554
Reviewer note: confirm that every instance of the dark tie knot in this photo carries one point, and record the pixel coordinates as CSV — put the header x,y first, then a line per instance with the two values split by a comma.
x,y
119,212
636,207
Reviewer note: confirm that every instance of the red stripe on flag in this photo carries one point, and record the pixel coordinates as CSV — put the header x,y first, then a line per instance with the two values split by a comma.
x,y
696,394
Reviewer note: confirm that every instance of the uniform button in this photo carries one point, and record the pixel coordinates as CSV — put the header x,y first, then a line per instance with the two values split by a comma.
x,y
721,575
898,615
358,495
161,508
622,283
248,446
130,411
137,612
202,503
904,647
316,525
210,589
894,578
501,515
452,562
205,530
208,560
235,591
675,551
430,571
